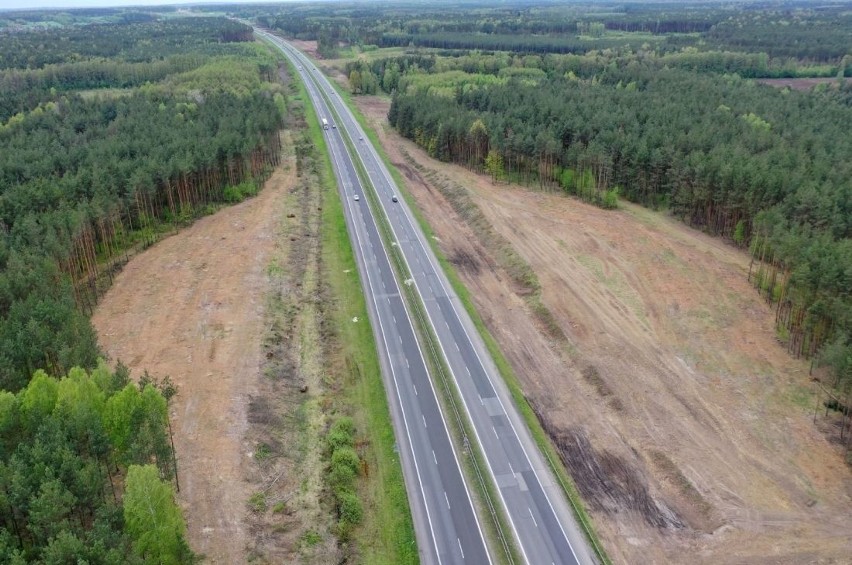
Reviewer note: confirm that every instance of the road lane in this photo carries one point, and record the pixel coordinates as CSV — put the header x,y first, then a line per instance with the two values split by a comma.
x,y
541,520
447,528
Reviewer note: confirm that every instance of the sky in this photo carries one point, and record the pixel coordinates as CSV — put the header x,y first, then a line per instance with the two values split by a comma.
x,y
41,4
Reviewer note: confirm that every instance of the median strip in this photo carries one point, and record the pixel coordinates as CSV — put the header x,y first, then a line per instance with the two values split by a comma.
x,y
459,425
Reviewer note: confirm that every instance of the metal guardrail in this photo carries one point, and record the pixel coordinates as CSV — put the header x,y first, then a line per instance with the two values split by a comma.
x,y
416,305
425,330
414,300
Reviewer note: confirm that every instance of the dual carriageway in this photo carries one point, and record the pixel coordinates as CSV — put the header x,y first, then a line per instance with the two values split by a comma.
x,y
447,527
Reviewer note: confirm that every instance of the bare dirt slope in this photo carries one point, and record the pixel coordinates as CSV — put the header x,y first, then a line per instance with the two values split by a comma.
x,y
192,307
684,422
309,48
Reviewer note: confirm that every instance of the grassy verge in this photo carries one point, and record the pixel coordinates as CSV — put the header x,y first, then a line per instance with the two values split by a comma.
x,y
386,533
507,373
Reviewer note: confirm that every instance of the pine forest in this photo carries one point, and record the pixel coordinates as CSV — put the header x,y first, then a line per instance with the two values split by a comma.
x,y
116,128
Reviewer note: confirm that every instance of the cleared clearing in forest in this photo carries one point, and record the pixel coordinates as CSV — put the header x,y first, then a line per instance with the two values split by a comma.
x,y
694,424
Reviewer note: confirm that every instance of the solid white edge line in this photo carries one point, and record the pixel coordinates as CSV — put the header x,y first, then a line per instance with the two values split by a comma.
x,y
450,297
347,115
393,372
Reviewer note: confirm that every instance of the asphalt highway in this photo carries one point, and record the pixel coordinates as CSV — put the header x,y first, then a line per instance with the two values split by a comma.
x,y
541,520
446,525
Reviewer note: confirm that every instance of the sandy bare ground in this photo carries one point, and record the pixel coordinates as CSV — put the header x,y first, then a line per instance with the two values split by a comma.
x,y
307,47
192,307
686,425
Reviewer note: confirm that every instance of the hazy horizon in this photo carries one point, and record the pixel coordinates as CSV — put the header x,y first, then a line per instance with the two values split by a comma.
x,y
71,4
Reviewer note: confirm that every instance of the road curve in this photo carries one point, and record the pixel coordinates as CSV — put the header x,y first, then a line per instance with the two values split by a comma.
x,y
542,522
446,525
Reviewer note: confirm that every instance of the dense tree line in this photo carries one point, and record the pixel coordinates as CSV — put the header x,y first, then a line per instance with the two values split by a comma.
x,y
805,33
119,56
368,24
750,65
132,42
85,180
22,91
746,162
29,20
82,180
416,67
814,38
386,72
657,26
83,460
500,42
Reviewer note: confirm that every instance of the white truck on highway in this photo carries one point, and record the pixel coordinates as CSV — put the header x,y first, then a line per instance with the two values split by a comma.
x,y
324,123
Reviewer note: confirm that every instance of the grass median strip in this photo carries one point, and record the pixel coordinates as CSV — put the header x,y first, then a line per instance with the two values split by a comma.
x,y
503,366
496,525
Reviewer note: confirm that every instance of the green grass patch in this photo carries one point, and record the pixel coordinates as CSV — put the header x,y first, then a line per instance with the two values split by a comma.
x,y
237,193
802,396
364,53
105,93
632,36
262,452
385,534
257,502
310,538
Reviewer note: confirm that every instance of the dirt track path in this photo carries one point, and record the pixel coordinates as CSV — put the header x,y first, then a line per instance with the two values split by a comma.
x,y
191,307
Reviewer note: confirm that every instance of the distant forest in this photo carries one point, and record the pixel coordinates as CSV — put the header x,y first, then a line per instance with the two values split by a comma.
x,y
650,102
795,37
